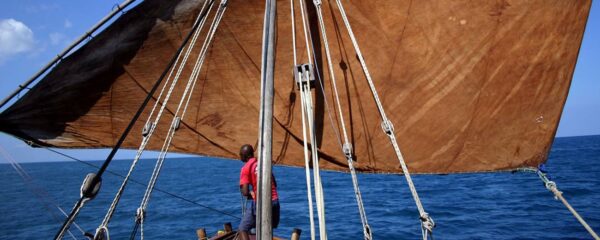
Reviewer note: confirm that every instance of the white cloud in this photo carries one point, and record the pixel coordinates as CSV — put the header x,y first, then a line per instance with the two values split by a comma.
x,y
68,23
57,38
15,37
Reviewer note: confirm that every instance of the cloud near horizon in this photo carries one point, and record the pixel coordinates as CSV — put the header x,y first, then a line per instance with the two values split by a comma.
x,y
15,38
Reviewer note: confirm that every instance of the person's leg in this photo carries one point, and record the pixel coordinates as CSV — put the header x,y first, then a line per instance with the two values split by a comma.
x,y
243,235
248,221
275,213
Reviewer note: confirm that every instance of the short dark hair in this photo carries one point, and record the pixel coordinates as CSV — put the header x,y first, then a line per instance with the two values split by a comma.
x,y
246,152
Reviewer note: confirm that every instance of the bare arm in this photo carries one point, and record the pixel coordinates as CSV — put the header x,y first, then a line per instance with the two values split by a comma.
x,y
245,190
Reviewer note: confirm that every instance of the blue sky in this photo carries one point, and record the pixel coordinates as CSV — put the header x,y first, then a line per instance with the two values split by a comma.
x,y
33,31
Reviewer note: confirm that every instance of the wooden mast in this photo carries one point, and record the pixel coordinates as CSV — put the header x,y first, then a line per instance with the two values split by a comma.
x,y
264,228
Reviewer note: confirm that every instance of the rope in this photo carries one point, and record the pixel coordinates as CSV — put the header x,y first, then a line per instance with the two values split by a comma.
x,y
131,179
147,138
191,83
176,121
347,147
306,30
551,186
427,223
307,167
82,200
309,47
315,158
305,145
307,109
39,192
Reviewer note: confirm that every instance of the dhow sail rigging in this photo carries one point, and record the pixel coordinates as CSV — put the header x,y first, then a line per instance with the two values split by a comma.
x,y
459,86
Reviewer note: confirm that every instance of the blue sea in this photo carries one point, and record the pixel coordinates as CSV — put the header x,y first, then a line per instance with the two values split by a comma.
x,y
464,206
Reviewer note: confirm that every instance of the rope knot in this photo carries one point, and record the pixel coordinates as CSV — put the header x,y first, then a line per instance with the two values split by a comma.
x,y
102,233
427,222
387,127
347,148
140,214
550,185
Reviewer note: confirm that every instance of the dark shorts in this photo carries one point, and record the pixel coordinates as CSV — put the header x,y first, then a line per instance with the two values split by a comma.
x,y
249,218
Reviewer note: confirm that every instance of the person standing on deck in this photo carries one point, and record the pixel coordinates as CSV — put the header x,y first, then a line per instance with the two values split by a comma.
x,y
248,178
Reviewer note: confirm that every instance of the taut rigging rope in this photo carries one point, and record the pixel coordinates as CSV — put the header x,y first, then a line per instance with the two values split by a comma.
x,y
427,223
347,146
150,128
551,186
304,139
177,119
95,180
307,107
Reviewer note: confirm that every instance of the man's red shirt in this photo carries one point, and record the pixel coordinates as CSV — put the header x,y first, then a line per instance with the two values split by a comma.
x,y
248,176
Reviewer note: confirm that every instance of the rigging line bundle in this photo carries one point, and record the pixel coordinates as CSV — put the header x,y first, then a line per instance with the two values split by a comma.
x,y
93,180
177,119
304,120
304,78
308,111
427,223
91,185
304,139
149,128
347,146
316,161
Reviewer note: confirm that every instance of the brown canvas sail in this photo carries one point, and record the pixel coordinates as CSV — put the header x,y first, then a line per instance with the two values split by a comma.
x,y
469,85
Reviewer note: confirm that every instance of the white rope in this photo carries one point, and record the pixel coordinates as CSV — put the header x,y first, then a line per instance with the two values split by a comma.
x,y
427,223
347,147
305,27
306,167
308,105
141,216
551,186
185,98
147,138
192,81
165,84
304,139
315,158
309,47
187,94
